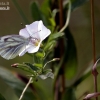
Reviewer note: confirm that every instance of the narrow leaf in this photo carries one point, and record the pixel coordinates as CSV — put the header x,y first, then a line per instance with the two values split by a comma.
x,y
77,3
70,55
20,11
36,13
56,36
31,66
47,75
18,86
69,94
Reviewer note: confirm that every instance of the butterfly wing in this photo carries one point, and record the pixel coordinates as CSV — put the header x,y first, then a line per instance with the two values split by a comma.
x,y
12,45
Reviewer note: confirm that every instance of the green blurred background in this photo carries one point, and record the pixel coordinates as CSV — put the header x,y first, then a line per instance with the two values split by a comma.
x,y
80,25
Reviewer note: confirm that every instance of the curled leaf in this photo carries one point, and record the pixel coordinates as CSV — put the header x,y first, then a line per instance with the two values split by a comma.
x,y
1,97
47,75
91,95
15,65
94,71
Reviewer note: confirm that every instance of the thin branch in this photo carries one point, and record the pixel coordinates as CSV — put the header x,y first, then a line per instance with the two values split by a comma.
x,y
29,82
57,96
93,31
61,13
93,41
54,59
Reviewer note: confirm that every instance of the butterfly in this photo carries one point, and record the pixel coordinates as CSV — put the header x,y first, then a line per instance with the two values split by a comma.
x,y
28,40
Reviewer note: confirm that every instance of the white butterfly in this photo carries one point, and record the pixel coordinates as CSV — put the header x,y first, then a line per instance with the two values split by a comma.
x,y
28,40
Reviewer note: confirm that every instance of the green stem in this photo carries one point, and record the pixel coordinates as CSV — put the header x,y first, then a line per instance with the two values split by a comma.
x,y
55,59
29,82
68,17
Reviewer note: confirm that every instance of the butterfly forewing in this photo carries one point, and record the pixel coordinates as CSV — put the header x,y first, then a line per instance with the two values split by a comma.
x,y
12,45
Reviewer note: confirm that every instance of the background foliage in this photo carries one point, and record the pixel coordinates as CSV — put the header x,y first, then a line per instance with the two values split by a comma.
x,y
77,49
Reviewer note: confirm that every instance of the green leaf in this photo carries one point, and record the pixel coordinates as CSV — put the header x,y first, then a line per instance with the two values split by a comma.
x,y
37,59
69,94
37,14
46,71
20,11
25,68
49,45
56,35
84,75
81,79
54,12
37,65
40,54
45,8
31,66
46,74
16,84
1,97
70,55
53,24
77,3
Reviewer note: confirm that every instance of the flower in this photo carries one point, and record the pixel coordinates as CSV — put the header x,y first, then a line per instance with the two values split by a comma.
x,y
35,33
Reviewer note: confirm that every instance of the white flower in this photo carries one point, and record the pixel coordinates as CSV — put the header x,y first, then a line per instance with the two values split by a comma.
x,y
35,33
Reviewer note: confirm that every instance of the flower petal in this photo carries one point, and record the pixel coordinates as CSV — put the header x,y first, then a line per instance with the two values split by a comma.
x,y
23,32
33,29
37,31
44,32
30,49
33,49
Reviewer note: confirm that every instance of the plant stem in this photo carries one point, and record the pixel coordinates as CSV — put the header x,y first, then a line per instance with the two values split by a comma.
x,y
29,82
93,31
95,82
57,96
62,87
60,80
93,41
61,13
62,41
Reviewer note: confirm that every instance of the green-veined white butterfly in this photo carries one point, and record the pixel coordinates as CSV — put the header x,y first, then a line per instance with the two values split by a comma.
x,y
28,40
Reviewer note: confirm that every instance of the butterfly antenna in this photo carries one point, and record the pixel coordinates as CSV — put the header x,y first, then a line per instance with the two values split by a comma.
x,y
33,33
36,32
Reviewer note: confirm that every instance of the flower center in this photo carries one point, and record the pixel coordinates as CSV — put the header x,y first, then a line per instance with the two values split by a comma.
x,y
35,41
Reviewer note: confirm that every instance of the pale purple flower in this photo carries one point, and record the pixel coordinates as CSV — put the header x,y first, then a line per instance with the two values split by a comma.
x,y
35,33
